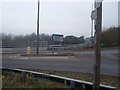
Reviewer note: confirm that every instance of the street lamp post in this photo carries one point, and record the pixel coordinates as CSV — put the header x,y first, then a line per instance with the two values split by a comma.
x,y
38,30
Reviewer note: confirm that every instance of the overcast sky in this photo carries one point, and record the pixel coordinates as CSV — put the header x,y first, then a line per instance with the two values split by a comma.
x,y
67,18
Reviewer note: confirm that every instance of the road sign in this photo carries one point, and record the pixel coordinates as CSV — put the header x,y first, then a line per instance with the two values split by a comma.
x,y
57,37
94,14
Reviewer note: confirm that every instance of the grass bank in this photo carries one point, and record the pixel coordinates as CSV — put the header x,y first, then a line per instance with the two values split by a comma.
x,y
105,79
13,80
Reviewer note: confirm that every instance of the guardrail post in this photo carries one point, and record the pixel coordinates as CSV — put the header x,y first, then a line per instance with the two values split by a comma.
x,y
23,76
65,82
118,88
83,86
72,84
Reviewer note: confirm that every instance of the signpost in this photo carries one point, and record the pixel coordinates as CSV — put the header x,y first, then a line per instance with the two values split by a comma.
x,y
97,16
57,38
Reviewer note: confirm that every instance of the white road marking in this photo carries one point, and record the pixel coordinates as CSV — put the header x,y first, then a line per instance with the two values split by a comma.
x,y
50,57
17,57
23,58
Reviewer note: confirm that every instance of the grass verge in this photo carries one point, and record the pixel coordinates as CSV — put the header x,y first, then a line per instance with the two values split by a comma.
x,y
13,80
105,79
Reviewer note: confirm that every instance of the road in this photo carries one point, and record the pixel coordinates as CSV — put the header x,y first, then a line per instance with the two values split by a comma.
x,y
81,62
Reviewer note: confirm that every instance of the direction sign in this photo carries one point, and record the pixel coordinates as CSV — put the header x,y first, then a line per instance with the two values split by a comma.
x,y
94,14
57,37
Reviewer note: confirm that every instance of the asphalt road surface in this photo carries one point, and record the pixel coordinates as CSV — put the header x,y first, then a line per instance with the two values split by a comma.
x,y
81,62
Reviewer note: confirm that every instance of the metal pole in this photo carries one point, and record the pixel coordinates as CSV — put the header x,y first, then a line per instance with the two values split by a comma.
x,y
38,31
118,45
91,28
92,24
97,66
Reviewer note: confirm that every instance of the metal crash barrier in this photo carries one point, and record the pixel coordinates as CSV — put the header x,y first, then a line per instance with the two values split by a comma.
x,y
73,83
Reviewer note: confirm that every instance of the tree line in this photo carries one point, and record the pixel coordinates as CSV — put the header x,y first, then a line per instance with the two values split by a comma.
x,y
109,38
10,40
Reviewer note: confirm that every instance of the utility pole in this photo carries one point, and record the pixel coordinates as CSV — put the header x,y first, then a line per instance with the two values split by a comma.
x,y
98,28
38,30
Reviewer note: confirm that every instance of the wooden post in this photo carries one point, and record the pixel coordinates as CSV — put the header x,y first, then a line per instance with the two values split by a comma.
x,y
97,64
23,77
